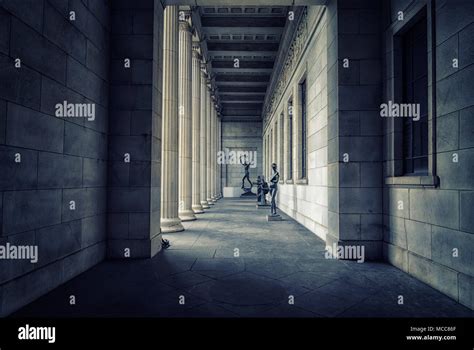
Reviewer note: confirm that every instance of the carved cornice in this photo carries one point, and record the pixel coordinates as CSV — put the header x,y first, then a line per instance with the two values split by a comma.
x,y
293,55
196,54
185,26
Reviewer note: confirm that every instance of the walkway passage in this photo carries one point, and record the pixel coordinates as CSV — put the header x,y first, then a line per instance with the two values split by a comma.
x,y
277,262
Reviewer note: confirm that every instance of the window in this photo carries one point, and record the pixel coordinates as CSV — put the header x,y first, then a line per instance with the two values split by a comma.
x,y
280,148
415,92
275,143
265,157
303,156
290,139
412,61
270,152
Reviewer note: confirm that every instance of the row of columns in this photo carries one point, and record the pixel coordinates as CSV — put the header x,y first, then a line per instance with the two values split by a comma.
x,y
190,180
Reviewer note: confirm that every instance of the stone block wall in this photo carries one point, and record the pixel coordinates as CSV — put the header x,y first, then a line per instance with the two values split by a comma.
x,y
54,194
307,200
241,136
432,237
355,127
135,129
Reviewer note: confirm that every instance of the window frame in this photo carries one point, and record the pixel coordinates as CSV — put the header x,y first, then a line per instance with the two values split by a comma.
x,y
395,171
281,149
302,131
290,131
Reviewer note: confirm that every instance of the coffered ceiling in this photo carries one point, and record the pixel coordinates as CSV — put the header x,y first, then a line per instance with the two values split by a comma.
x,y
242,46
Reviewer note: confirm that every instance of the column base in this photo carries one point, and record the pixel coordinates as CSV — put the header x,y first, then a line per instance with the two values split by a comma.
x,y
263,206
133,248
186,215
205,205
197,209
344,249
171,225
274,217
209,201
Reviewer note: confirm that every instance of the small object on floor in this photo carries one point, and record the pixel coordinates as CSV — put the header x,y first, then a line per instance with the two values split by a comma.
x,y
247,192
262,190
165,243
263,206
275,217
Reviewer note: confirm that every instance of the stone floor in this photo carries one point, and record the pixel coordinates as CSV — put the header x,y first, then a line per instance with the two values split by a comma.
x,y
278,262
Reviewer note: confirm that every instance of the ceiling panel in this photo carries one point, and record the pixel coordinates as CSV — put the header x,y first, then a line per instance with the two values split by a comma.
x,y
242,44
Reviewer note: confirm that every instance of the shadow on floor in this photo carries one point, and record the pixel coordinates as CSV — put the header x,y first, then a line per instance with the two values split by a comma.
x,y
231,262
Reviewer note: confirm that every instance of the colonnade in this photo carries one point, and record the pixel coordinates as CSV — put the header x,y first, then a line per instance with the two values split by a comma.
x,y
190,181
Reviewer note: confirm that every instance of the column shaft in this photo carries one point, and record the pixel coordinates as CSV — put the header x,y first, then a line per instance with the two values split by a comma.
x,y
208,149
185,122
214,158
213,174
219,166
196,139
170,221
203,149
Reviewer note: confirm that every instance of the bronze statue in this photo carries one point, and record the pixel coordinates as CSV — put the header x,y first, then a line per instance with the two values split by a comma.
x,y
262,190
247,174
274,188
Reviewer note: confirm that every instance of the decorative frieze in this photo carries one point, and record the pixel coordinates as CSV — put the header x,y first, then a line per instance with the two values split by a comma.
x,y
293,56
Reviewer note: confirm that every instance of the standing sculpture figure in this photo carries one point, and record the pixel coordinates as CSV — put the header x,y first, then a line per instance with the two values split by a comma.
x,y
262,191
274,188
247,173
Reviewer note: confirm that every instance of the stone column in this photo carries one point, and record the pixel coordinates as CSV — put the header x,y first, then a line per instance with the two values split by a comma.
x,y
185,122
219,166
216,178
208,148
216,195
203,148
213,152
170,221
196,139
213,147
133,203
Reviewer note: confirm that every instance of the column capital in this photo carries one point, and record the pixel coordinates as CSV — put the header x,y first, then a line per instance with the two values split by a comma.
x,y
196,54
185,26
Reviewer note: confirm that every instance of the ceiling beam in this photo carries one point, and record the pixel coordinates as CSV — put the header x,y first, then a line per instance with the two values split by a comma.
x,y
243,53
241,98
242,70
243,30
241,112
242,21
242,88
246,119
242,77
244,93
243,64
241,46
240,106
246,84
244,2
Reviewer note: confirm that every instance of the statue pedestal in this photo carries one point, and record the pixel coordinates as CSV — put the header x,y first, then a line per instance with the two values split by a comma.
x,y
247,193
276,217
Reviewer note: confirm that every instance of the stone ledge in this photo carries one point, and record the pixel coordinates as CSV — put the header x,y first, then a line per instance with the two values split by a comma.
x,y
301,182
427,181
